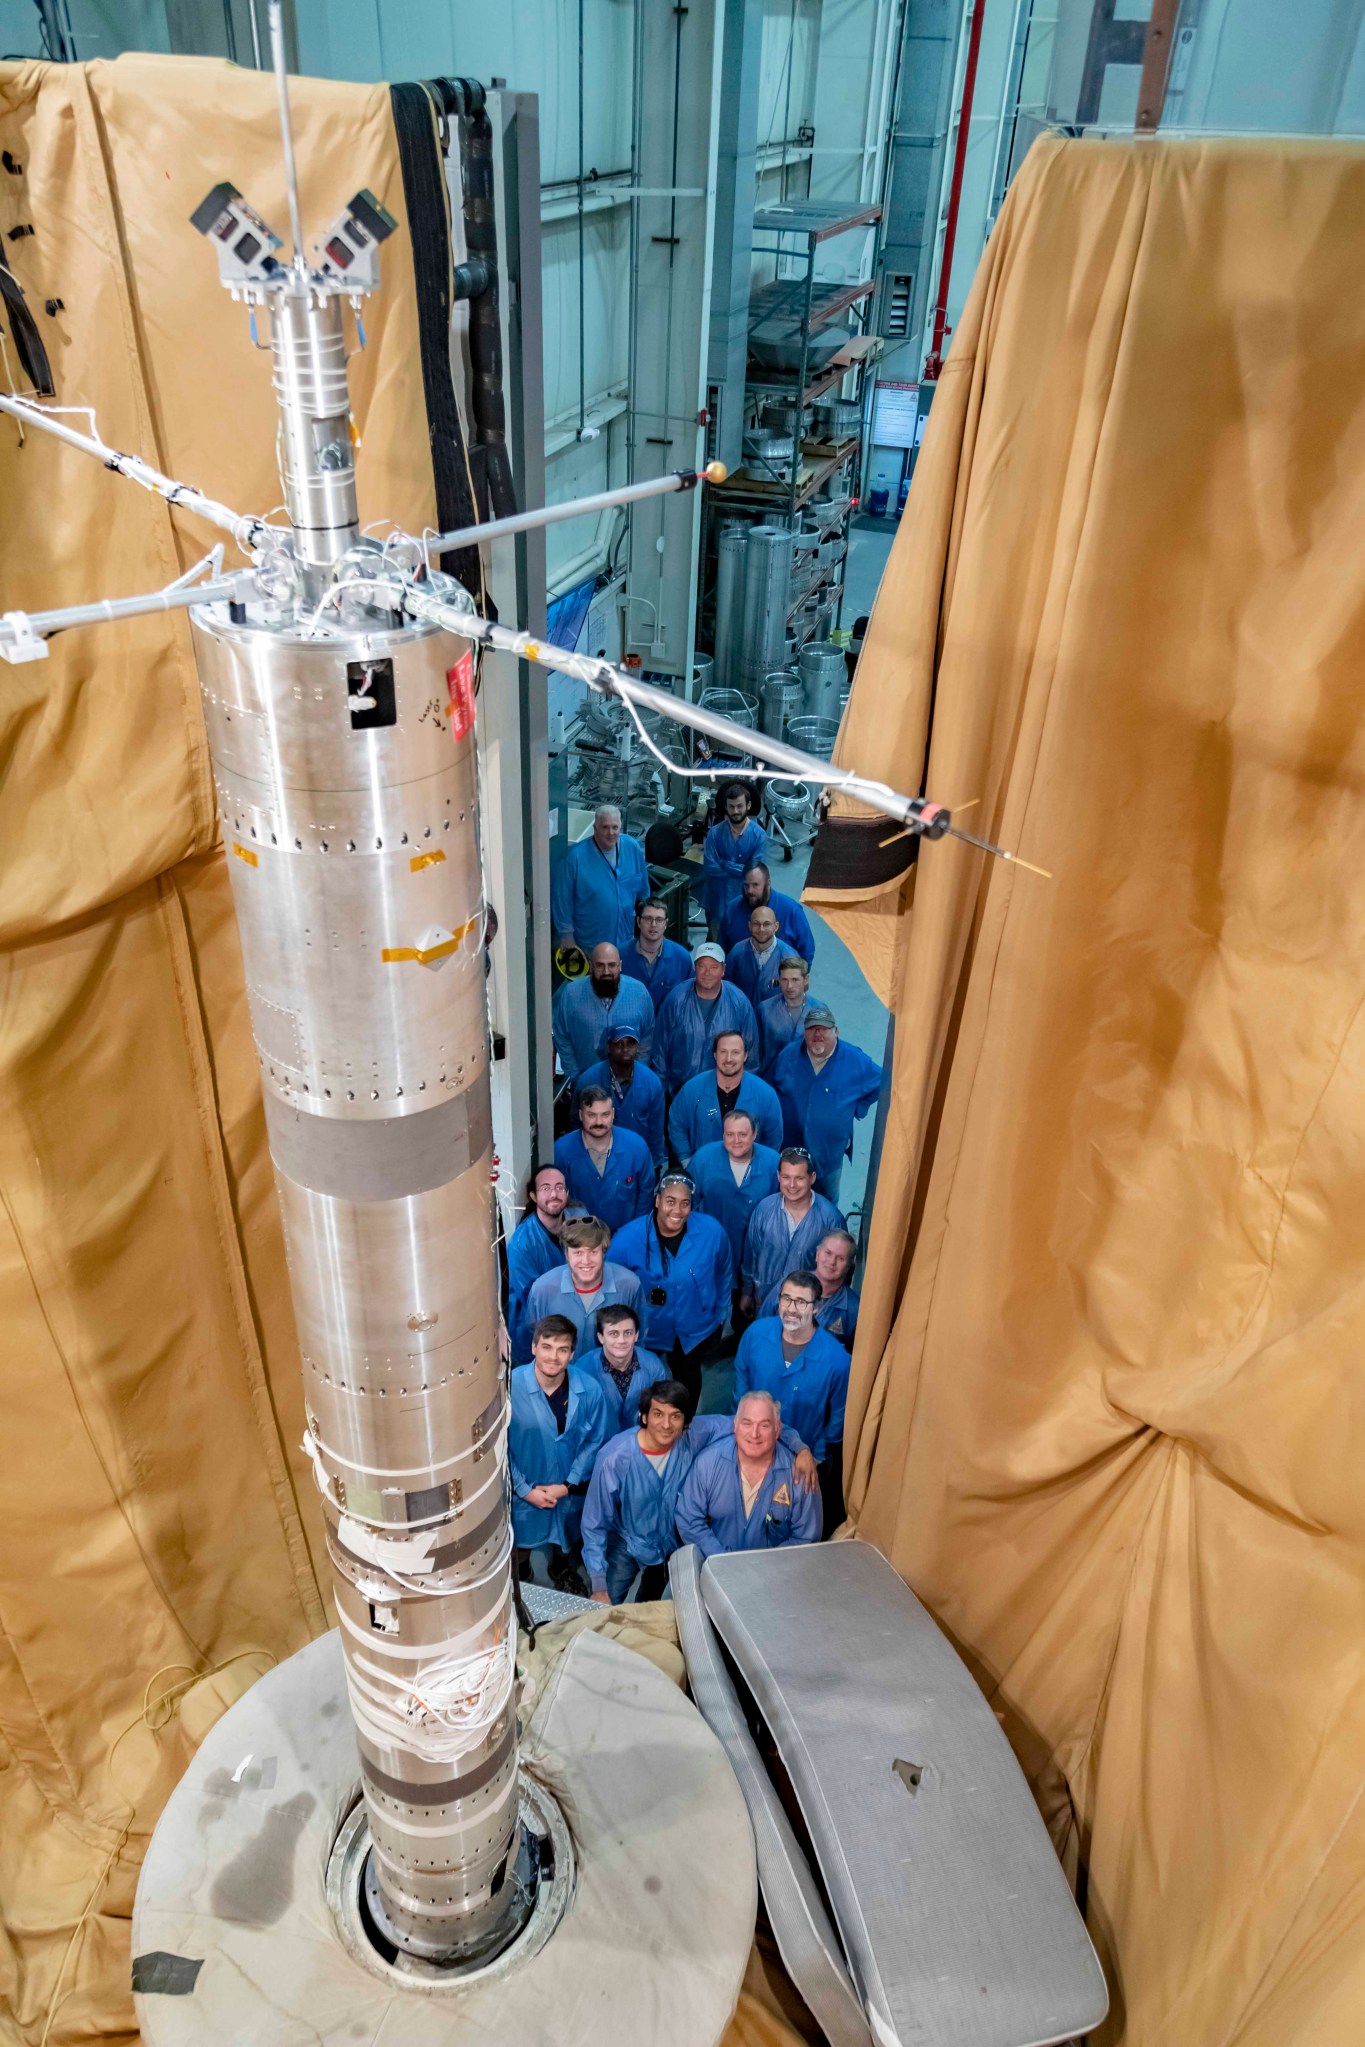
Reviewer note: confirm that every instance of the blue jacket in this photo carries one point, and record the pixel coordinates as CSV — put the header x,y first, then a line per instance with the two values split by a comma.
x,y
628,1496
538,1455
811,1392
623,1408
581,1019
731,1202
724,859
554,1293
757,978
819,1109
639,1107
793,926
695,1119
531,1250
594,899
687,1027
697,1279
673,966
622,1190
711,1504
777,1027
838,1314
771,1251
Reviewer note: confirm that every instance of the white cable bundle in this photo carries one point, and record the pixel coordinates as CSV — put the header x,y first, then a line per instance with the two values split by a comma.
x,y
444,1709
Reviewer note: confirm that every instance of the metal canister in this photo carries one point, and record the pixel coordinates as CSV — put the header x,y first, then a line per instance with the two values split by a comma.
x,y
782,695
823,670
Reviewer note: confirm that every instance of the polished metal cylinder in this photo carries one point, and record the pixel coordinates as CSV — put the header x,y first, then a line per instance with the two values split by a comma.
x,y
317,459
730,549
345,772
767,601
823,674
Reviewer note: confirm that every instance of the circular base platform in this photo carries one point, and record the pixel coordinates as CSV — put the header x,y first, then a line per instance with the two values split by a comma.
x,y
641,1933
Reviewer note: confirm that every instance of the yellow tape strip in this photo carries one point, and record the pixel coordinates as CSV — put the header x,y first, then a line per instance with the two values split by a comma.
x,y
245,853
421,860
394,954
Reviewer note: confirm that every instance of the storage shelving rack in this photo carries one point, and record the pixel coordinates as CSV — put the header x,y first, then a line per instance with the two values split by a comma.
x,y
793,233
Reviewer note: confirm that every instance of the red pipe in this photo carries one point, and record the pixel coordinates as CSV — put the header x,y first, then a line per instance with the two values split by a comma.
x,y
934,360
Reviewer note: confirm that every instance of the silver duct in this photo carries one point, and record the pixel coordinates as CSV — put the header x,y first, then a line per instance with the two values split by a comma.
x,y
767,601
730,550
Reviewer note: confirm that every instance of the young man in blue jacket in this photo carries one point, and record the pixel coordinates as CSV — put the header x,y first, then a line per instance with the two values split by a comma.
x,y
629,1518
736,842
753,964
743,1493
783,1016
619,1364
700,1107
534,1248
656,961
585,1282
558,1424
609,1171
637,1093
825,1087
682,1264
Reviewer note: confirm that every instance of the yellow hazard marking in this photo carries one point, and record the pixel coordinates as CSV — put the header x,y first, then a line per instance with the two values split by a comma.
x,y
421,860
245,853
424,955
533,650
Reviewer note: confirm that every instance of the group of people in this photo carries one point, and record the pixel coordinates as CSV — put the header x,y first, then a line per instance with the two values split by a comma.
x,y
692,1213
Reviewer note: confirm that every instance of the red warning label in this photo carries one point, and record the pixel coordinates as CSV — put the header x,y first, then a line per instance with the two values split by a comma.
x,y
460,684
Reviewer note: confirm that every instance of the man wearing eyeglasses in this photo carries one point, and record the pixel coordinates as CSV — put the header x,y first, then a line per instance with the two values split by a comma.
x,y
789,1356
785,1229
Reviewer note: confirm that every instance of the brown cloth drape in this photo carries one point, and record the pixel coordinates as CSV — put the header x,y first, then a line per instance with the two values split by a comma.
x,y
158,1517
1108,1409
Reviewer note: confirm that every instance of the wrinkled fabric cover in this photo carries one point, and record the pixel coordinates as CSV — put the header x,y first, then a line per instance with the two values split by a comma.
x,y
158,1517
1106,1413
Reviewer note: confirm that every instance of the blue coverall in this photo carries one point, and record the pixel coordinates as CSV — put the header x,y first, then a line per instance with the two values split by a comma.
x,y
776,1029
594,898
623,1408
686,1031
581,1020
629,1517
625,1186
836,1313
771,1251
695,1117
729,1201
811,1391
538,1455
531,1250
758,978
659,976
639,1107
819,1109
793,925
696,1279
725,858
711,1504
554,1293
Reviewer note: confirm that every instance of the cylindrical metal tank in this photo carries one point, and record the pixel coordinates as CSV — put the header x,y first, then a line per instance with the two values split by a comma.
x,y
730,551
782,695
767,600
345,772
823,671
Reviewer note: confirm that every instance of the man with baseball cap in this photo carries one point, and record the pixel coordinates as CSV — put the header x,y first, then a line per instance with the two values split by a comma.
x,y
636,1091
825,1087
692,1015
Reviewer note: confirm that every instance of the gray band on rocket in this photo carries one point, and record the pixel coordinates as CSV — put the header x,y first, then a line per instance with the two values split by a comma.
x,y
380,1159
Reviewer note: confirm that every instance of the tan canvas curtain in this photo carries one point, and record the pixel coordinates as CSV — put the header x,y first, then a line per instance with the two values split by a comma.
x,y
1108,1411
158,1520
